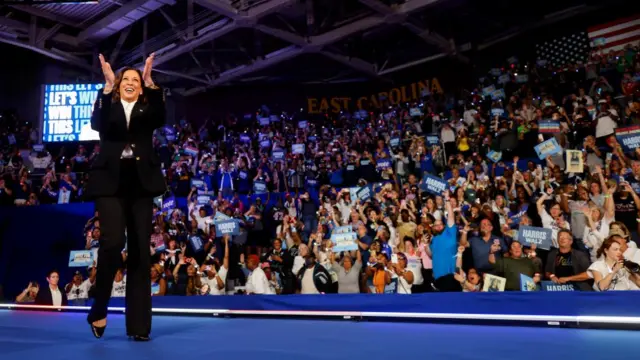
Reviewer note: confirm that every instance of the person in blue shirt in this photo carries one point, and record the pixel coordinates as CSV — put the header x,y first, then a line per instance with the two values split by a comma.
x,y
480,244
444,248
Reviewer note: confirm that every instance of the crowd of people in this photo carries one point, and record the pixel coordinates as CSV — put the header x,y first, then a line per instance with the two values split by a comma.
x,y
409,198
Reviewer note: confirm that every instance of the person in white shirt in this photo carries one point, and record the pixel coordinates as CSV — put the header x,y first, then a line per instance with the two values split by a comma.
x,y
215,274
405,276
78,289
610,272
119,285
554,221
257,282
202,219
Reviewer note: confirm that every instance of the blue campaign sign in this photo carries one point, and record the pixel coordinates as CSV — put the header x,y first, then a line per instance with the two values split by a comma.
x,y
629,137
297,148
344,242
303,124
227,227
278,155
196,243
364,193
264,121
259,187
383,163
394,142
432,184
197,183
203,199
80,258
527,283
433,140
541,237
551,286
169,203
547,148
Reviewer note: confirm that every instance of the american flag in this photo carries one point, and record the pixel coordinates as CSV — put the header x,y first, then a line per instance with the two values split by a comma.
x,y
576,47
563,50
616,35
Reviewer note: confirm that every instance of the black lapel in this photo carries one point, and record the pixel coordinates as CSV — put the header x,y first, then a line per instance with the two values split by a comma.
x,y
122,117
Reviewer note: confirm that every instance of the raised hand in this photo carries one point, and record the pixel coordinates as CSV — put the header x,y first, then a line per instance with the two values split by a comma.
x,y
109,75
146,73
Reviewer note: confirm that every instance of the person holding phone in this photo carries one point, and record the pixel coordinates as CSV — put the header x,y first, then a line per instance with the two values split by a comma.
x,y
125,177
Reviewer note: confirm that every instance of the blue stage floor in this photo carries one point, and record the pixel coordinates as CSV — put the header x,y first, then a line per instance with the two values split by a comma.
x,y
66,336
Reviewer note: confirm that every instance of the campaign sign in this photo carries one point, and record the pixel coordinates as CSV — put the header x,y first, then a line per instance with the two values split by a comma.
x,y
169,203
259,187
394,141
503,79
527,283
541,237
220,216
264,121
547,148
383,164
227,227
494,156
497,112
629,137
498,94
342,230
551,286
297,148
190,150
548,126
488,90
274,118
265,143
277,155
196,243
80,258
38,147
433,140
203,199
415,112
303,124
344,242
364,193
523,78
432,184
197,183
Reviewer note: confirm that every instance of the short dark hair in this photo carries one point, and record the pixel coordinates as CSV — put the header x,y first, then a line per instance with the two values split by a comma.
x,y
51,273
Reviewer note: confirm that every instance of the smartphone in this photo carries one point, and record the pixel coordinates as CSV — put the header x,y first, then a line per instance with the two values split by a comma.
x,y
609,156
394,258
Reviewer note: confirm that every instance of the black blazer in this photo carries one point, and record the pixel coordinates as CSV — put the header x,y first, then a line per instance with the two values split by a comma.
x,y
109,120
580,262
44,296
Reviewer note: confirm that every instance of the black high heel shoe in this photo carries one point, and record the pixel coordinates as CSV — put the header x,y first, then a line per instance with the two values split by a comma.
x,y
97,331
140,338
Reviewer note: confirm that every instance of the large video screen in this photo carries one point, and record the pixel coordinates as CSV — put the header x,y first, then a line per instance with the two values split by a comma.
x,y
67,112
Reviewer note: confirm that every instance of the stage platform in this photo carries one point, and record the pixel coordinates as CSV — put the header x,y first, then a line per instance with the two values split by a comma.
x,y
570,309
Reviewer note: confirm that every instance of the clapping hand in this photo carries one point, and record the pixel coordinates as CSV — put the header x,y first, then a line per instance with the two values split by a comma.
x,y
109,75
146,73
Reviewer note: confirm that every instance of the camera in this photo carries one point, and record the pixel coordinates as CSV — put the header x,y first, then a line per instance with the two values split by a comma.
x,y
631,266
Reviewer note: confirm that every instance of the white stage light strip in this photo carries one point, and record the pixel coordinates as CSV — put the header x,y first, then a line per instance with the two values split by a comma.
x,y
112,309
622,320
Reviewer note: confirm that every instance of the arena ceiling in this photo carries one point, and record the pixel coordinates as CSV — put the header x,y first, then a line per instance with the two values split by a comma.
x,y
201,44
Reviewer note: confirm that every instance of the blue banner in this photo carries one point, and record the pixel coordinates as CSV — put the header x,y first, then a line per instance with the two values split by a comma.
x,y
278,155
541,237
80,258
203,199
227,227
344,242
67,112
551,286
264,121
169,203
259,187
364,193
433,185
303,124
547,148
394,142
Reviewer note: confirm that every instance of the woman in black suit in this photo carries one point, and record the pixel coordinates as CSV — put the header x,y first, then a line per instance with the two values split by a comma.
x,y
125,178
52,295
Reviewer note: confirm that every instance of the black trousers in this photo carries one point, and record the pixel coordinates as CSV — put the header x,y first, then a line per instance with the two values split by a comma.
x,y
131,210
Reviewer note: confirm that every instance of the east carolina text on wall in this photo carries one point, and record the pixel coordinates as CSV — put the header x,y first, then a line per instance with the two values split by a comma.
x,y
395,95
